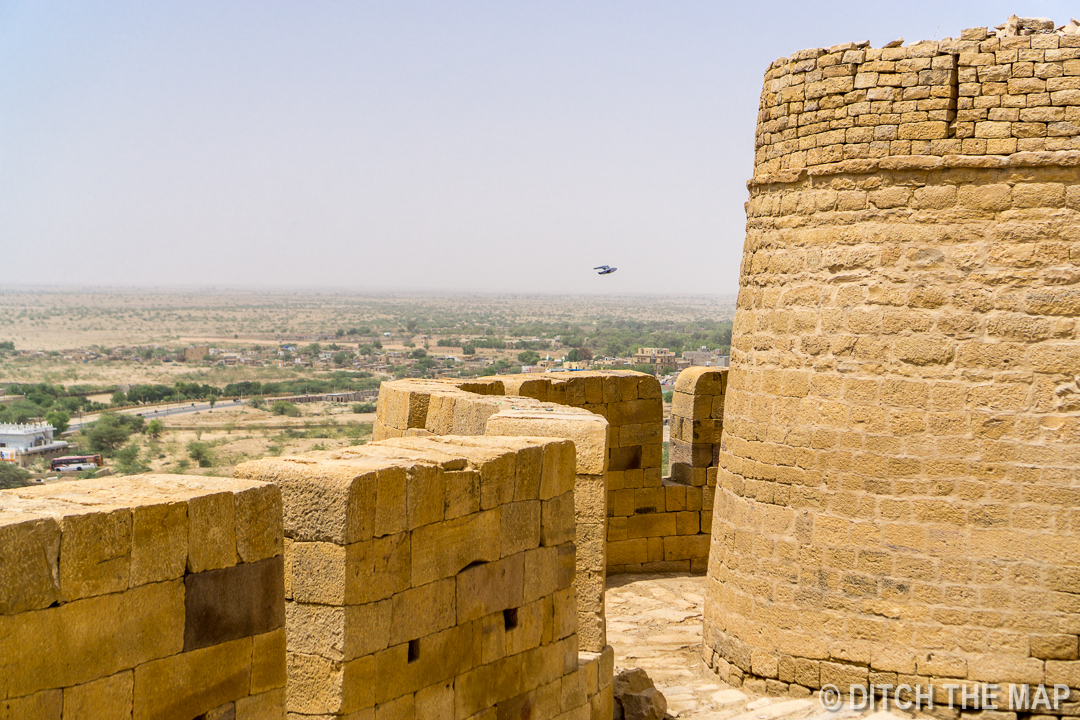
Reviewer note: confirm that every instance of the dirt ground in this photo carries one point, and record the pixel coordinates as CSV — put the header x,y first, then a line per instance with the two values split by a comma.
x,y
225,437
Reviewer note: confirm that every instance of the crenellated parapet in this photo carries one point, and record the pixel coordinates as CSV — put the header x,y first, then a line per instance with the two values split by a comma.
x,y
852,106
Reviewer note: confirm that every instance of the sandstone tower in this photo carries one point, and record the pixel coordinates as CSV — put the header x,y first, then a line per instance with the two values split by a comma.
x,y
898,484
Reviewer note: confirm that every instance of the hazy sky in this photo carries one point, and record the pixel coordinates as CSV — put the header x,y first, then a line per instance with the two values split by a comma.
x,y
486,146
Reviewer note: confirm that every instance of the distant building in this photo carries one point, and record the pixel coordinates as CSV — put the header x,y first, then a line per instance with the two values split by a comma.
x,y
654,356
705,358
22,443
196,353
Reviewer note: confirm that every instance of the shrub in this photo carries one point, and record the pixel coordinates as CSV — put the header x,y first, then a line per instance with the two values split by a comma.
x,y
59,419
201,453
284,407
129,462
13,476
360,408
109,432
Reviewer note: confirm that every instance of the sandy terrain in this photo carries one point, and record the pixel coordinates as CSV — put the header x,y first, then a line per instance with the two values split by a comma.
x,y
53,319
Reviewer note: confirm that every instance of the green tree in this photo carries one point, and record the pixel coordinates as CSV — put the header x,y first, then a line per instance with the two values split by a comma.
x,y
119,398
468,349
13,476
201,453
128,460
154,428
284,407
109,432
418,353
59,419
360,408
340,358
256,402
528,357
213,402
581,354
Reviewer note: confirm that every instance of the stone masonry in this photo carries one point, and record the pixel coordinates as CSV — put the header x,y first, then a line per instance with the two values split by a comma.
x,y
897,490
154,597
697,418
432,577
653,523
443,408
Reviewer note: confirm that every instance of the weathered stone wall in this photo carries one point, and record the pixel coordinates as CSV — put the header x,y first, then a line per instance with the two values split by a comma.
x,y
653,524
697,419
155,597
898,487
432,577
972,97
433,407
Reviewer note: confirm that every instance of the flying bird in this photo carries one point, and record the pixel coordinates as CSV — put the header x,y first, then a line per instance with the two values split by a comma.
x,y
605,270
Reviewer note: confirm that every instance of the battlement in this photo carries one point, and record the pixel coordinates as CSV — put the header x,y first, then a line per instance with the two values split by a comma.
x,y
433,577
931,104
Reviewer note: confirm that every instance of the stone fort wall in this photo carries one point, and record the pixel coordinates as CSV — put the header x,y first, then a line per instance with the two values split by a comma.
x,y
153,597
653,523
973,97
899,473
433,578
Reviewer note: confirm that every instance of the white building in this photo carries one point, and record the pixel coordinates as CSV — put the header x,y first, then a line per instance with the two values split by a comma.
x,y
706,357
21,442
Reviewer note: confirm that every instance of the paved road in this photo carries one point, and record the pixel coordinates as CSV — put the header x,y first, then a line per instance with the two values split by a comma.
x,y
160,411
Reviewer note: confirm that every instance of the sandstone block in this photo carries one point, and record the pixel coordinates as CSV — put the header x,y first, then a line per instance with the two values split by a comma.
x,y
557,520
235,602
321,686
29,565
490,587
520,526
559,469
462,493
159,542
423,610
332,501
269,705
186,685
444,549
69,645
259,528
45,705
211,532
390,500
434,659
268,662
588,431
109,698
95,553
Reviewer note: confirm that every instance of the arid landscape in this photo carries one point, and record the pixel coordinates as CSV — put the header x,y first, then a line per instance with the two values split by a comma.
x,y
51,319
66,357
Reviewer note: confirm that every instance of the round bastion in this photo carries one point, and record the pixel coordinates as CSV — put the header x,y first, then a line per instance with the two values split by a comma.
x,y
898,479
